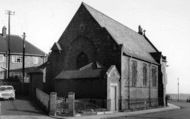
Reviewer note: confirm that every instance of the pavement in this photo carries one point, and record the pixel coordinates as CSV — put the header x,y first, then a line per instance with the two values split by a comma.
x,y
106,115
24,117
109,115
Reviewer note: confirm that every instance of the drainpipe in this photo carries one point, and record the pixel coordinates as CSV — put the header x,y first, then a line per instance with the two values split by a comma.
x,y
120,84
129,77
150,73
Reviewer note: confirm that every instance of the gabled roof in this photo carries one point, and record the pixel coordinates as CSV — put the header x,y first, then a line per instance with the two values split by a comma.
x,y
16,46
78,74
56,46
88,71
134,44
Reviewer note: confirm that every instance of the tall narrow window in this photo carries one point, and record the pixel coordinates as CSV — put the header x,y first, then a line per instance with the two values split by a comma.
x,y
144,74
154,76
134,73
82,60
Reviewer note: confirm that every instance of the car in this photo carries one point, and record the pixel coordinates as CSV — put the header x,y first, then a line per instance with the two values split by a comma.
x,y
7,92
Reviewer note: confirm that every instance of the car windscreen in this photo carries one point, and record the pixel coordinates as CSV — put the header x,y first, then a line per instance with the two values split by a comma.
x,y
6,88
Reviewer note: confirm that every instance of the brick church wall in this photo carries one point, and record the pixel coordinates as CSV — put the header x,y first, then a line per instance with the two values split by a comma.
x,y
138,96
83,34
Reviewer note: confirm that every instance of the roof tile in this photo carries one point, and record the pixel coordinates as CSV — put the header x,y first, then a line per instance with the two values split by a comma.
x,y
134,44
16,46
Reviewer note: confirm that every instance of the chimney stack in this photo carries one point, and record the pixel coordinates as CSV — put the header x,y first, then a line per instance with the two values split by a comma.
x,y
4,31
141,31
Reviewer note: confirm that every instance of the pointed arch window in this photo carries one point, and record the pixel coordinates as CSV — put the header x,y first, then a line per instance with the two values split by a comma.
x,y
134,73
145,74
82,60
154,76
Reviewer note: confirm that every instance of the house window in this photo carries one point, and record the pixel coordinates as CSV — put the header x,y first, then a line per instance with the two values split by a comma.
x,y
2,58
145,74
16,59
134,73
82,60
35,60
154,76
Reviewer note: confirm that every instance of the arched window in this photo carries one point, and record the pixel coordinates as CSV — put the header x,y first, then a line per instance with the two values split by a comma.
x,y
82,60
134,73
145,74
154,76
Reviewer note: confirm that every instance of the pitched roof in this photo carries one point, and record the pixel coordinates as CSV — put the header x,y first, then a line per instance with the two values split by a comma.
x,y
56,46
135,44
16,46
76,74
88,71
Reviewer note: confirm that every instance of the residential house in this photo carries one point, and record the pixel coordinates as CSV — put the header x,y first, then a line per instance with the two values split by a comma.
x,y
33,56
101,59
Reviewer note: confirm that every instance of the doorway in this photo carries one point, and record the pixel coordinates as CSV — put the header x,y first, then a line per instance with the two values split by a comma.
x,y
113,95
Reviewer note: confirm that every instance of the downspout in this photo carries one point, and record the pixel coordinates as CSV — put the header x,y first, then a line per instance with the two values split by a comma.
x,y
150,74
129,77
120,85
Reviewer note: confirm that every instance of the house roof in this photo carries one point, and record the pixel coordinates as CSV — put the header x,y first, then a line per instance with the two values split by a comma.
x,y
135,45
16,46
27,69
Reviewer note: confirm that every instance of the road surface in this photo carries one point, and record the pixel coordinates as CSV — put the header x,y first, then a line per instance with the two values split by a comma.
x,y
19,109
183,113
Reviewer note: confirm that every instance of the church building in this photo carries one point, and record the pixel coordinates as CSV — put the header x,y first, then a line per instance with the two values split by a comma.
x,y
101,59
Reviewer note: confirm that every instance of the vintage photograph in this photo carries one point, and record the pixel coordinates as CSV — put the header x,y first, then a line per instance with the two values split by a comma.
x,y
94,59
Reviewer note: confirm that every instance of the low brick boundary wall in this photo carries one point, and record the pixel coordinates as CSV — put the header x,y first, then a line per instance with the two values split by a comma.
x,y
47,101
43,99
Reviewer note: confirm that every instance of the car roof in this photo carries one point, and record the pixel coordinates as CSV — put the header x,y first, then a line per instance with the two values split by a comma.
x,y
6,86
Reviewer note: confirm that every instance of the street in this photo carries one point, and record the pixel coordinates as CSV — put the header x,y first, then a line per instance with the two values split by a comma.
x,y
20,108
183,113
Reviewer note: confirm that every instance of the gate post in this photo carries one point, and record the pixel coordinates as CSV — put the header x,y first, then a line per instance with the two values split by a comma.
x,y
52,103
71,100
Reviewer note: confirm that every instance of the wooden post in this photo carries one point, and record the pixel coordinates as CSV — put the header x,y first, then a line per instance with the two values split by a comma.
x,y
23,63
52,103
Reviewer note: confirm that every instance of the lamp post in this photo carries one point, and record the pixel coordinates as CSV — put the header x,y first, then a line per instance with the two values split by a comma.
x,y
9,13
178,89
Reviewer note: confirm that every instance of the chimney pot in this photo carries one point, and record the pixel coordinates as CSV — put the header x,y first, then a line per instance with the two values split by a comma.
x,y
4,31
140,30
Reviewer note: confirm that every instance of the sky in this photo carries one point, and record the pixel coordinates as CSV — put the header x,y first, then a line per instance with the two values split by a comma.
x,y
167,25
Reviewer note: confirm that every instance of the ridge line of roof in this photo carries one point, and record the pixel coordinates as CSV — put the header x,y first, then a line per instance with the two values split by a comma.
x,y
151,43
93,11
110,18
35,47
19,38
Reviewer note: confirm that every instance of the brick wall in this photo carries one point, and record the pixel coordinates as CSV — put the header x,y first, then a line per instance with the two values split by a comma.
x,y
43,99
140,94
